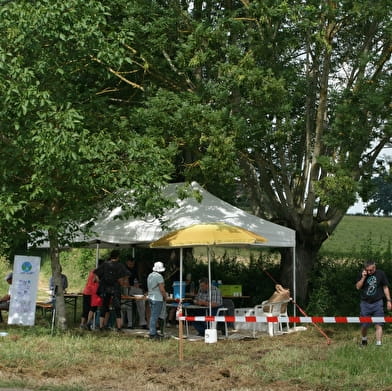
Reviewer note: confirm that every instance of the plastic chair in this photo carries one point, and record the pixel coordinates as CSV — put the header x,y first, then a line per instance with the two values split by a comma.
x,y
283,313
269,309
221,312
229,304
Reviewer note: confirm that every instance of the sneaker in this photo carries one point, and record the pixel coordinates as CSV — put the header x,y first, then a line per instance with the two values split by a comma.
x,y
143,327
378,343
364,342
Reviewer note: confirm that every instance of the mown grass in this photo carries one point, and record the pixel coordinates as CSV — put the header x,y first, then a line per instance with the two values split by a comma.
x,y
80,361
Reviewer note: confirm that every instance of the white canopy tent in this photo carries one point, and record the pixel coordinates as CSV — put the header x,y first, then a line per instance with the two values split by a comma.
x,y
110,232
189,211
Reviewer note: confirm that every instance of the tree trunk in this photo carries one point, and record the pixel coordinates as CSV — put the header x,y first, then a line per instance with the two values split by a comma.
x,y
61,318
305,259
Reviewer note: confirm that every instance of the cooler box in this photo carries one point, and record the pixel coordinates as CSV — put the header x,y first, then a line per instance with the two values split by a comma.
x,y
231,290
177,291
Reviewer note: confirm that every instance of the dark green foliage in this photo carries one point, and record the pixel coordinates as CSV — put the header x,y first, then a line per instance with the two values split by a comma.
x,y
332,285
233,271
381,195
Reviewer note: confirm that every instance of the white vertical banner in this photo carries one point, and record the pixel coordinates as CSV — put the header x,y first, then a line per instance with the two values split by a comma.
x,y
24,289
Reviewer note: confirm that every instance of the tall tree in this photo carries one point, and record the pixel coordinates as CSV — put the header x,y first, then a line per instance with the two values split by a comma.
x,y
291,100
380,195
66,144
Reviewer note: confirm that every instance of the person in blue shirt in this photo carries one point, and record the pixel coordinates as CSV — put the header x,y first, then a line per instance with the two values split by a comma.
x,y
64,282
156,296
203,299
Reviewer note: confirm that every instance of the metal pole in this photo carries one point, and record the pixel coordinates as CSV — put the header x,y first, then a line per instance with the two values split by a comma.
x,y
209,280
294,280
181,267
97,254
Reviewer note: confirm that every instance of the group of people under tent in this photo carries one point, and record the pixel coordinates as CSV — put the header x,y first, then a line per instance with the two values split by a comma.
x,y
371,282
111,279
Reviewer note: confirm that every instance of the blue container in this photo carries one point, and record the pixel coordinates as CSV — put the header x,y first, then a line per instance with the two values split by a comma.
x,y
179,291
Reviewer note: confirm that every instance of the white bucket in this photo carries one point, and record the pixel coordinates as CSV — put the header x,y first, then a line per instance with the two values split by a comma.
x,y
211,336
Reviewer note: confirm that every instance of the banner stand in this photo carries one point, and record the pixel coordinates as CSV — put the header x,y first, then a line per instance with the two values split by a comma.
x,y
24,288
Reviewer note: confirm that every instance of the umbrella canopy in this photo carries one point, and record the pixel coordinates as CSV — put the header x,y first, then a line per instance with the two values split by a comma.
x,y
209,234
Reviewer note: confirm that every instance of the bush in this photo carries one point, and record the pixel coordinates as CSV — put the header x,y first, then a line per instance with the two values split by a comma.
x,y
5,268
234,271
332,289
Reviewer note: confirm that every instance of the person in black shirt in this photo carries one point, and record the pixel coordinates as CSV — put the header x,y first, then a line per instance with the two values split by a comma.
x,y
111,274
373,287
131,266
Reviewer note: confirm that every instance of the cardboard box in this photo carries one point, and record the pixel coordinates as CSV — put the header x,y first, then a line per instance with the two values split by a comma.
x,y
231,290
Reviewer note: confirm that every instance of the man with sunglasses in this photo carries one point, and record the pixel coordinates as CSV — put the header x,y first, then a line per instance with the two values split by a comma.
x,y
373,287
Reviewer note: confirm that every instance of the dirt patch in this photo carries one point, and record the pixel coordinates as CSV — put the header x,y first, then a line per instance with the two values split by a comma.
x,y
112,361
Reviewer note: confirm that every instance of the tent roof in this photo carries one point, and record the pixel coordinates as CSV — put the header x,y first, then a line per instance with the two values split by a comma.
x,y
136,231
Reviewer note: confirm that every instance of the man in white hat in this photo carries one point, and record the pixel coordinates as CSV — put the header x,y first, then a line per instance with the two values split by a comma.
x,y
156,295
5,300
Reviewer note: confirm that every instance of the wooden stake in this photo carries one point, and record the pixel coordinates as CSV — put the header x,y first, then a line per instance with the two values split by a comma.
x,y
180,341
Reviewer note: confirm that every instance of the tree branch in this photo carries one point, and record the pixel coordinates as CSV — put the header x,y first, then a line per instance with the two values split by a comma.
x,y
118,74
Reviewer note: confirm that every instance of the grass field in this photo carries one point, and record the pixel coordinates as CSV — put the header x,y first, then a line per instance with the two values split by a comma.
x,y
360,234
33,359
302,361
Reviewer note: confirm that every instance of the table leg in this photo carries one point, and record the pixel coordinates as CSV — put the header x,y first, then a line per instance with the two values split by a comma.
x,y
72,301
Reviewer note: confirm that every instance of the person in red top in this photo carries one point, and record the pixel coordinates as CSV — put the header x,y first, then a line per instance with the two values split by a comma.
x,y
90,296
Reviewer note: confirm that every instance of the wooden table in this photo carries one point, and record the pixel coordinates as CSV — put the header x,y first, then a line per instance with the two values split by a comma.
x,y
70,299
126,298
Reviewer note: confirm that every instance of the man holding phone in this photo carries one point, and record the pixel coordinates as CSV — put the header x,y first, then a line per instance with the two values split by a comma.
x,y
373,287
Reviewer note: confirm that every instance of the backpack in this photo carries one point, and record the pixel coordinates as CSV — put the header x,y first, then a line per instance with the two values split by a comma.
x,y
109,274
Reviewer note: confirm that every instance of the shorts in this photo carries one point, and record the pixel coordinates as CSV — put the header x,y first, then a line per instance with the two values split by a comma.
x,y
372,309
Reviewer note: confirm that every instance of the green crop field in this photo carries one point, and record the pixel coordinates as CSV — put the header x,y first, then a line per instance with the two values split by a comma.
x,y
360,234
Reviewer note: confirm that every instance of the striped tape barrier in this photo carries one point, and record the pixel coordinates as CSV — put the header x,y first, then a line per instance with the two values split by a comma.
x,y
290,319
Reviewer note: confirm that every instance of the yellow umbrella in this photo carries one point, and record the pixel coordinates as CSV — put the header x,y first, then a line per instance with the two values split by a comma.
x,y
209,234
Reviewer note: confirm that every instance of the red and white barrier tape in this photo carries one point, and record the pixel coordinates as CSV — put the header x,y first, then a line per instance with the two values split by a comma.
x,y
289,319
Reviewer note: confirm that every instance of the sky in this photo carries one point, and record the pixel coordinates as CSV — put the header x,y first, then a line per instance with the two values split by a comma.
x,y
358,207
